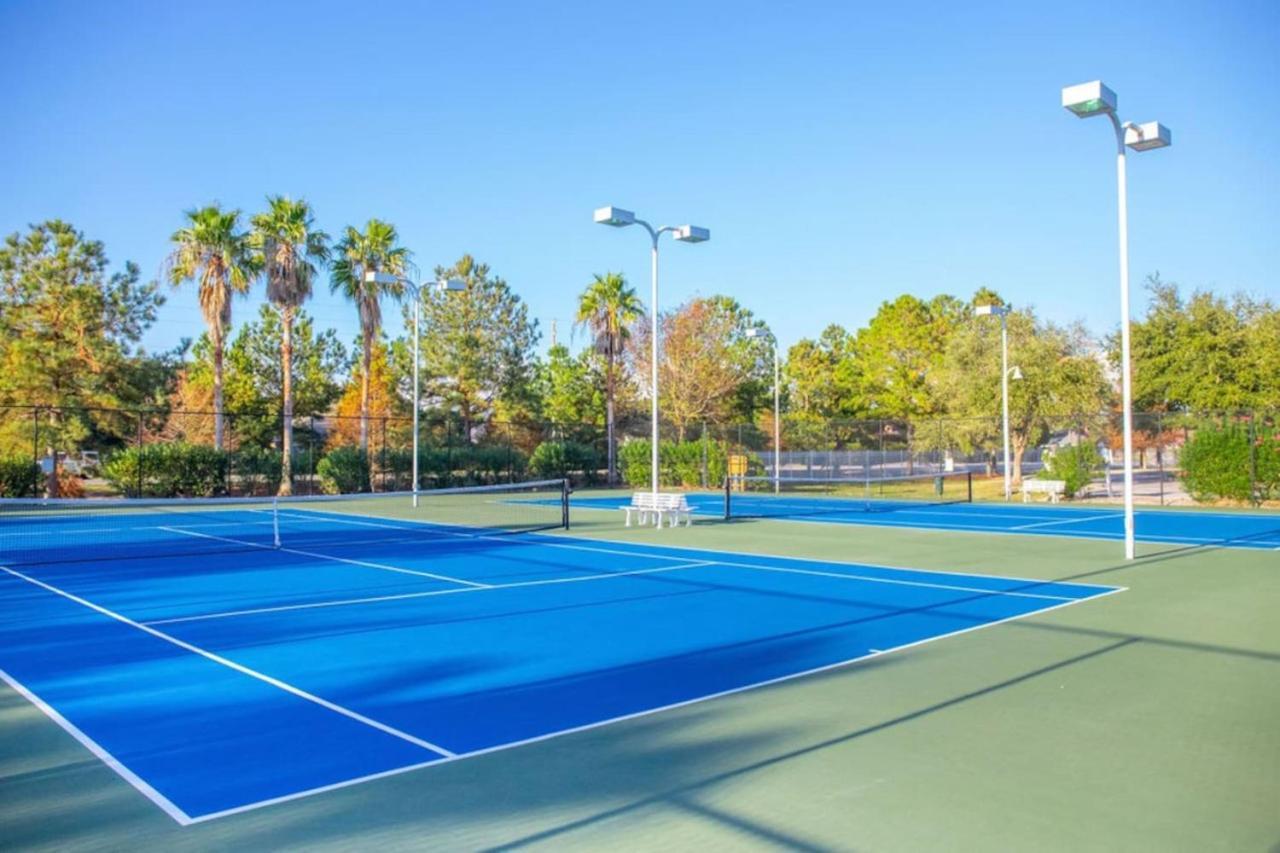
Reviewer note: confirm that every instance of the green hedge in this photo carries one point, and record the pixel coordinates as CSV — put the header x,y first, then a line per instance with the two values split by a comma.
x,y
168,470
1219,463
18,477
679,464
344,470
454,466
1075,465
565,460
257,471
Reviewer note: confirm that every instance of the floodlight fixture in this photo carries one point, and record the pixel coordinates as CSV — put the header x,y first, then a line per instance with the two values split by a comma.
x,y
692,234
1089,99
618,217
1002,311
444,285
615,216
1144,137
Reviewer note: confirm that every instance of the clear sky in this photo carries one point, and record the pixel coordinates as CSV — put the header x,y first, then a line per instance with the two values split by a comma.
x,y
841,153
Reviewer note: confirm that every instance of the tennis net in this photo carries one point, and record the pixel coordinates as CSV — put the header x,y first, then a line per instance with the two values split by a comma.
x,y
34,531
765,497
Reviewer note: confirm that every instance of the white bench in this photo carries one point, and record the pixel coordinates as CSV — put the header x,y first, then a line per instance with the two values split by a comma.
x,y
1055,489
647,504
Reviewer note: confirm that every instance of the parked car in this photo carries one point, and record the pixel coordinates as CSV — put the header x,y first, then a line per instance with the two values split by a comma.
x,y
85,465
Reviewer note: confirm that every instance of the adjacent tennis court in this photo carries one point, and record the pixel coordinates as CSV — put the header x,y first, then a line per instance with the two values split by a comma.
x,y
943,502
223,655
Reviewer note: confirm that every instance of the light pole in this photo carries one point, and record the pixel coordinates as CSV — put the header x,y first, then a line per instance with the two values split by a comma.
x,y
1003,313
764,334
619,218
451,285
1092,99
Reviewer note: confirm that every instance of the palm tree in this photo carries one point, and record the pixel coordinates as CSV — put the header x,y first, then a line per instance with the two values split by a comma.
x,y
288,248
357,253
608,307
213,252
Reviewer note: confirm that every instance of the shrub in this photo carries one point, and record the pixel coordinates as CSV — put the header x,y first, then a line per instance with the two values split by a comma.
x,y
344,470
1075,465
257,470
563,459
1220,463
679,464
18,477
439,466
168,470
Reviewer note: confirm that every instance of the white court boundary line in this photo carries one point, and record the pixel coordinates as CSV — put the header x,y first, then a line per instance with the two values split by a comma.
x,y
165,804
230,664
637,714
1080,520
363,563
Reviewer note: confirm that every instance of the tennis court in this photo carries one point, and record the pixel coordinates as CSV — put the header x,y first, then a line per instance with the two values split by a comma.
x,y
943,503
220,656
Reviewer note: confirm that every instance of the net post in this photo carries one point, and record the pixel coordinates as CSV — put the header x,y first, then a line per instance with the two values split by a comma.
x,y
728,495
564,503
968,483
275,521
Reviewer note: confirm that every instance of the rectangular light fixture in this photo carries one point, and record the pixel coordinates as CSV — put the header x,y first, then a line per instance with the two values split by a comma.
x,y
692,234
1089,99
615,216
1144,137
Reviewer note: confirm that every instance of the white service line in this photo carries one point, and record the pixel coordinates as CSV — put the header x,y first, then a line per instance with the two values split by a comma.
x,y
841,575
240,668
1068,521
374,599
364,563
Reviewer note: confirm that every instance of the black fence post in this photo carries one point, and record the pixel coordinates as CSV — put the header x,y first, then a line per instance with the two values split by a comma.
x,y
448,451
140,456
1253,460
35,451
1160,454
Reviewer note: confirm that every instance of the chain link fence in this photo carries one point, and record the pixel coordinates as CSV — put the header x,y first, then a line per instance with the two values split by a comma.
x,y
1235,457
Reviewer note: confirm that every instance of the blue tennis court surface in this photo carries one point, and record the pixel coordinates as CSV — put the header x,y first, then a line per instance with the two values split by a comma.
x,y
1231,529
217,681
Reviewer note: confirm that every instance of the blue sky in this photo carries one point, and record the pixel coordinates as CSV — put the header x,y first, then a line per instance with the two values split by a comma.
x,y
841,153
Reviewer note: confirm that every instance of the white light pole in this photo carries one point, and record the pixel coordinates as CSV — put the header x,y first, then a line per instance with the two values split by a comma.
x,y
451,285
1092,99
619,218
765,334
1003,313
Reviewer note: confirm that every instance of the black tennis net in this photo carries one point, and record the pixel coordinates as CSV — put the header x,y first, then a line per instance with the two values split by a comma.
x,y
34,531
767,497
